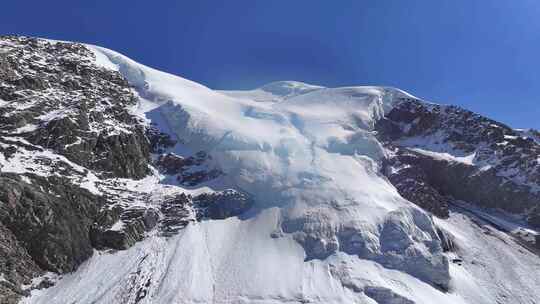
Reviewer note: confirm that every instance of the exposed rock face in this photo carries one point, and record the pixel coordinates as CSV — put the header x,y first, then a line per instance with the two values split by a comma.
x,y
62,118
159,141
52,224
120,229
189,171
59,99
182,209
412,182
177,212
17,266
222,204
70,150
442,153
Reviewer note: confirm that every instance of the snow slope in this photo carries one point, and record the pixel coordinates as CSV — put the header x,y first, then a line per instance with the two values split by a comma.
x,y
326,228
275,91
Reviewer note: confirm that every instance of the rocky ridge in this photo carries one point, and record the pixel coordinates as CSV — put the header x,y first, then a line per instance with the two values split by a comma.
x,y
440,155
70,154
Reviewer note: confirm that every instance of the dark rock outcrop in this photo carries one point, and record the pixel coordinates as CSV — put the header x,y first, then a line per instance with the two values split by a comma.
x,y
120,229
50,218
62,119
177,212
159,141
503,171
189,171
412,182
59,99
222,204
182,209
17,266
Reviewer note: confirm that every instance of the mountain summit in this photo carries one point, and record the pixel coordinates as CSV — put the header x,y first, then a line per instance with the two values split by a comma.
x,y
123,184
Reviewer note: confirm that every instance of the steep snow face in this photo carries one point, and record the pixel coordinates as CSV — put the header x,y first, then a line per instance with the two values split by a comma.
x,y
326,227
320,138
313,156
234,262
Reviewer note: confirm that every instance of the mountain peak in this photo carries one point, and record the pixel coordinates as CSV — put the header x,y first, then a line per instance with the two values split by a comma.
x,y
161,188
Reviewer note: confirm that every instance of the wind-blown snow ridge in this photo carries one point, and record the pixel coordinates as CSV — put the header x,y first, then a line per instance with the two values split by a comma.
x,y
275,92
327,227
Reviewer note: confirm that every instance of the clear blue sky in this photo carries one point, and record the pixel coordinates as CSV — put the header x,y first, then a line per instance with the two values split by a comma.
x,y
483,55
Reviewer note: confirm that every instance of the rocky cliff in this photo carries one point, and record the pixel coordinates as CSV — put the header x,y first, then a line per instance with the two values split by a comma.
x,y
68,143
444,153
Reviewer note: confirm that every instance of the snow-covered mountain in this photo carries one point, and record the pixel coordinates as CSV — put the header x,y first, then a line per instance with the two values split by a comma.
x,y
123,184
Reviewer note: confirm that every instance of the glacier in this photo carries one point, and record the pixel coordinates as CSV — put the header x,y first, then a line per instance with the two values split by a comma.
x,y
327,227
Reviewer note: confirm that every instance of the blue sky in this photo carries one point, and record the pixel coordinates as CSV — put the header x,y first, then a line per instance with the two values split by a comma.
x,y
483,55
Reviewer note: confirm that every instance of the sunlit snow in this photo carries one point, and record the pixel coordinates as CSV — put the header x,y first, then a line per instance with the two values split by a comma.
x,y
310,158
